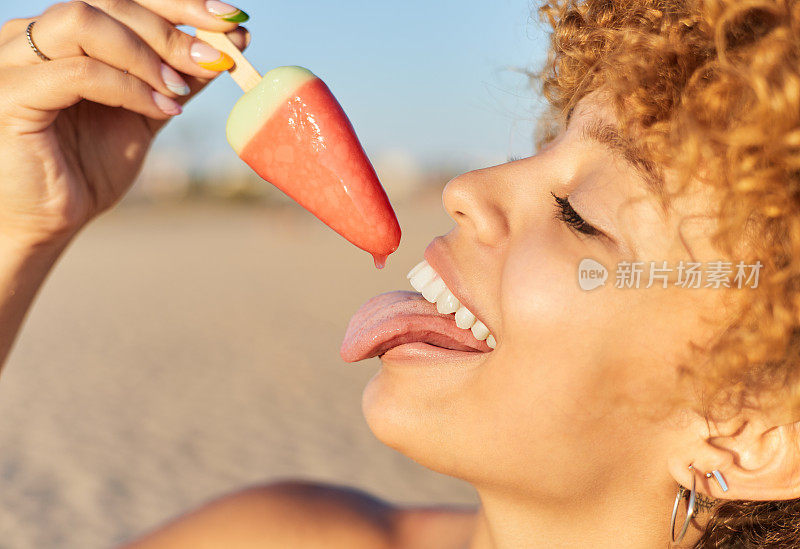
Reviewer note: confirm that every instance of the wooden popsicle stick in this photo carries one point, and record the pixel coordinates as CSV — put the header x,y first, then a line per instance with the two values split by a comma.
x,y
242,72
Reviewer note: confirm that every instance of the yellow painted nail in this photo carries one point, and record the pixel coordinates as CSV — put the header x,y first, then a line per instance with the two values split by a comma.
x,y
210,58
224,63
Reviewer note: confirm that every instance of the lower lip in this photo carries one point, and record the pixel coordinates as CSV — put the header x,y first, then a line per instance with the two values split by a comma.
x,y
418,352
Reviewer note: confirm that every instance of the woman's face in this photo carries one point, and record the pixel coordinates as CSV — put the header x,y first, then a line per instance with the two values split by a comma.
x,y
571,392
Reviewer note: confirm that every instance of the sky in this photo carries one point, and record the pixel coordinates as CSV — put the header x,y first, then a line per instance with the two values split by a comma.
x,y
433,80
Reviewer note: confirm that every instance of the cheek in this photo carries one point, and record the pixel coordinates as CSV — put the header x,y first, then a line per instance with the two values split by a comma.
x,y
552,328
576,338
589,352
571,360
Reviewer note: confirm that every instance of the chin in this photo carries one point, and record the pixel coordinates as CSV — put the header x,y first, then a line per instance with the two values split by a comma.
x,y
415,410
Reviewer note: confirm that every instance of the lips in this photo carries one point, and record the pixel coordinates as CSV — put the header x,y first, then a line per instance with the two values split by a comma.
x,y
396,318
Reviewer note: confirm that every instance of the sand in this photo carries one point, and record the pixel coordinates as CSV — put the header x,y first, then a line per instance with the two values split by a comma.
x,y
181,352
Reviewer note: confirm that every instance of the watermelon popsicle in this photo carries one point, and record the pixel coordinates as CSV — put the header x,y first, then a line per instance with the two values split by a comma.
x,y
290,129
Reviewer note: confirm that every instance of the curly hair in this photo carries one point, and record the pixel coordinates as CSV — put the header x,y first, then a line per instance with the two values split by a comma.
x,y
711,90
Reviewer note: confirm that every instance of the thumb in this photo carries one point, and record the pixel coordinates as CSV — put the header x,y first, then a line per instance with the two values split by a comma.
x,y
241,39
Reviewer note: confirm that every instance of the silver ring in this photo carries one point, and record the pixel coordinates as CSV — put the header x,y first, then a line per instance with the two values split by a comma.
x,y
36,50
689,509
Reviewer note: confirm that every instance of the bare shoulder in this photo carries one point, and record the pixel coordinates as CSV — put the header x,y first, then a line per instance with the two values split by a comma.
x,y
304,514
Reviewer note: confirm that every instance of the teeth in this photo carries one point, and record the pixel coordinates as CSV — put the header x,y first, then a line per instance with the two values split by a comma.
x,y
480,331
421,278
427,282
447,303
417,268
433,289
464,318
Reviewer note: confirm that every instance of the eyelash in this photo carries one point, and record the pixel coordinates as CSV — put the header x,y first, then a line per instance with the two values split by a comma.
x,y
565,213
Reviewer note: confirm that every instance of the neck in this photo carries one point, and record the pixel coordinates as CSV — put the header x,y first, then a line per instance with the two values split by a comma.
x,y
629,517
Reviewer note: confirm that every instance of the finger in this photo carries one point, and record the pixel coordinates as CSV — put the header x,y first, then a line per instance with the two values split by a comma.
x,y
77,28
202,14
13,28
34,94
183,52
241,39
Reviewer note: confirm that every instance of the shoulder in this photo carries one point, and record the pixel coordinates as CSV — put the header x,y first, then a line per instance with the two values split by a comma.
x,y
301,514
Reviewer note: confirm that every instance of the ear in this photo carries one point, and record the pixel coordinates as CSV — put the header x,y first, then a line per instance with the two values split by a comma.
x,y
759,461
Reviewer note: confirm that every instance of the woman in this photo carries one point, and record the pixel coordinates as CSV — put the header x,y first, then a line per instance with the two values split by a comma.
x,y
606,344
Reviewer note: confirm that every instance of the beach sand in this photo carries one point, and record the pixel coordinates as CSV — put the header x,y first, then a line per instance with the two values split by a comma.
x,y
181,352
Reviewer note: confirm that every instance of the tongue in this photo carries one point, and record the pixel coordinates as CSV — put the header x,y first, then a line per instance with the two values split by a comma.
x,y
396,318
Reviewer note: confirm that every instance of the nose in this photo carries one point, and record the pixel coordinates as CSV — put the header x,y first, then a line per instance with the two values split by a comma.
x,y
474,201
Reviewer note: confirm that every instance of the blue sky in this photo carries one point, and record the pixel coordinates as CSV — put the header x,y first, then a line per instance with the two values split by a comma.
x,y
429,78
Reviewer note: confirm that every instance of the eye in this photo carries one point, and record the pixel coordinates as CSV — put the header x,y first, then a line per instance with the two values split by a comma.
x,y
565,213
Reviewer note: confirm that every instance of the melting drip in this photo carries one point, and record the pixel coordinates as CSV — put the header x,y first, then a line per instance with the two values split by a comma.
x,y
380,260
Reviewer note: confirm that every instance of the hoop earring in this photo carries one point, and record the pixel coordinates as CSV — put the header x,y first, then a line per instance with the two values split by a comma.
x,y
689,509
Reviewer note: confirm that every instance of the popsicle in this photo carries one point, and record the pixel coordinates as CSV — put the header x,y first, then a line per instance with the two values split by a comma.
x,y
290,129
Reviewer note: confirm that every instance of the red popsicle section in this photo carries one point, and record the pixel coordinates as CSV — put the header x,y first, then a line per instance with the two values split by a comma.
x,y
304,144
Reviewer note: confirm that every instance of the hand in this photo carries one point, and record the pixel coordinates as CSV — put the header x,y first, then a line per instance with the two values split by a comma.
x,y
75,130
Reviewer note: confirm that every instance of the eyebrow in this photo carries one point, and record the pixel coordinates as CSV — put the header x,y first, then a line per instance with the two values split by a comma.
x,y
610,137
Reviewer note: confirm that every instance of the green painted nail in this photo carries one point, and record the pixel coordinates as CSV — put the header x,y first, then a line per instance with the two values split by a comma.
x,y
236,17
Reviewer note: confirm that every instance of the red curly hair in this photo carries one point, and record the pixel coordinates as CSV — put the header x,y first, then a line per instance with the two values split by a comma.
x,y
711,91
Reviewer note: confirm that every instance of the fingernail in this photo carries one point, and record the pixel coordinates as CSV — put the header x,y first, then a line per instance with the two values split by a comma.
x,y
173,80
226,12
167,105
210,58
